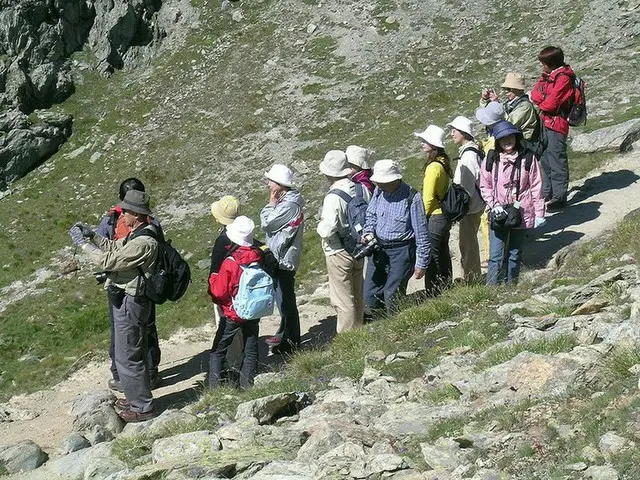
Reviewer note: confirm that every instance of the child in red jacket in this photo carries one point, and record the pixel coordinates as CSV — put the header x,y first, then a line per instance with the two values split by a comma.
x,y
552,94
223,287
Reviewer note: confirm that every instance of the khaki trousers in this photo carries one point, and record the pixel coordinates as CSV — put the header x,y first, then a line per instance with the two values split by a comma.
x,y
469,248
346,289
484,229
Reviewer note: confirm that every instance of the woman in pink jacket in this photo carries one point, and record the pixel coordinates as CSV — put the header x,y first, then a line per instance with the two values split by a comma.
x,y
511,186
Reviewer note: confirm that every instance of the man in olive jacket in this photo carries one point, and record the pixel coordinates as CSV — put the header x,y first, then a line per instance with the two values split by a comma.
x,y
127,262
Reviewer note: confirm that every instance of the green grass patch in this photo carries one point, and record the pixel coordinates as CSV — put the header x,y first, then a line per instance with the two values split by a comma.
x,y
620,360
543,346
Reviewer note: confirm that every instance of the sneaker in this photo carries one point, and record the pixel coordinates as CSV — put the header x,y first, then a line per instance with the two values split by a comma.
x,y
130,416
273,341
115,385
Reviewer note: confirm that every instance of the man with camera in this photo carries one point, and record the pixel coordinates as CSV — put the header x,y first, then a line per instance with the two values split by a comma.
x,y
396,218
344,265
128,262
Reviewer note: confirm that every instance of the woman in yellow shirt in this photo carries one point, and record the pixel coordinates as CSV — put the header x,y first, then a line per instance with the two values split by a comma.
x,y
437,176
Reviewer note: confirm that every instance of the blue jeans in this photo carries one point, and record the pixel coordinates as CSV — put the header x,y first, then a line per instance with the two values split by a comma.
x,y
227,329
388,273
505,255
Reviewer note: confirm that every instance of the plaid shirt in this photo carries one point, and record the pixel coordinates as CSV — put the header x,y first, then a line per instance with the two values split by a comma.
x,y
390,220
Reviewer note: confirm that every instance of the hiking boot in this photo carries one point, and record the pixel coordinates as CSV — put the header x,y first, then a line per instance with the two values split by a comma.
x,y
122,404
130,416
115,385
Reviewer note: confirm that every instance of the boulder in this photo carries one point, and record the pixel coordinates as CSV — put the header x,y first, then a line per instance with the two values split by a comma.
x,y
166,419
413,418
611,444
268,409
73,443
616,138
96,460
95,417
185,445
603,472
22,456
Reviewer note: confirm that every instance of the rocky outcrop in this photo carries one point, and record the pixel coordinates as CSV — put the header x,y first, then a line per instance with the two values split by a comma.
x,y
617,138
37,38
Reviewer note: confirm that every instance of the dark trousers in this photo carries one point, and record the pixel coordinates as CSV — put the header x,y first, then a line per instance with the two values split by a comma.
x,y
131,318
440,271
285,286
555,167
388,273
505,255
227,330
153,347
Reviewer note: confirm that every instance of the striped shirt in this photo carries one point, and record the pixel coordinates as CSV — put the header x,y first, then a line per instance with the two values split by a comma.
x,y
390,220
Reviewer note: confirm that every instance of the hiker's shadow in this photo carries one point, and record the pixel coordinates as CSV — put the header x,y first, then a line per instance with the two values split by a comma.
x,y
194,366
178,399
318,336
557,233
602,183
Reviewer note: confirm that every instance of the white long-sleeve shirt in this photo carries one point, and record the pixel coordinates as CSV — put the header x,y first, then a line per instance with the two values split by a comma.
x,y
333,218
467,174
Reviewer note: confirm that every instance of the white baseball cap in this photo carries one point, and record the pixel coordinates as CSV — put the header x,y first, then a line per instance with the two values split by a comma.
x,y
462,124
281,174
433,135
386,171
335,164
240,231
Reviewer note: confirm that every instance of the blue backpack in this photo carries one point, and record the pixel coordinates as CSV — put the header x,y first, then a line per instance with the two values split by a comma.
x,y
256,293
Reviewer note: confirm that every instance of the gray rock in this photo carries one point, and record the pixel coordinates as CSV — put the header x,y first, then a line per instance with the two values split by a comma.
x,y
411,418
625,272
281,470
166,419
22,456
73,443
95,459
446,325
611,444
616,138
267,409
318,444
386,462
185,445
95,417
376,356
440,459
576,467
601,473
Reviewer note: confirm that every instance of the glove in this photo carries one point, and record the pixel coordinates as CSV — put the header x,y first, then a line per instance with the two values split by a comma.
x,y
86,231
76,236
539,222
497,209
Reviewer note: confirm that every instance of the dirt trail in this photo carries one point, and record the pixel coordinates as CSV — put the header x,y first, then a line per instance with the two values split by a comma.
x,y
597,203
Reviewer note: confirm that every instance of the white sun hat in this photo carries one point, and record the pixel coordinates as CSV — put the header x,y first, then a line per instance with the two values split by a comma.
x,y
335,164
240,231
386,171
433,135
280,174
358,156
462,124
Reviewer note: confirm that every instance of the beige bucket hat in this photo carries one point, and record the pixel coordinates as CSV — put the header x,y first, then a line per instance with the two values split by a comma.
x,y
514,80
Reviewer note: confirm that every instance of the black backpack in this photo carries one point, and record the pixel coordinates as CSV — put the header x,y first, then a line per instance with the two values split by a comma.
x,y
356,217
456,200
171,273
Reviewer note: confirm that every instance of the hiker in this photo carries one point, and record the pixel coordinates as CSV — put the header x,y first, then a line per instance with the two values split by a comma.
x,y
397,222
467,174
282,221
437,176
224,211
345,271
127,263
488,116
511,186
223,288
552,94
518,109
358,159
113,227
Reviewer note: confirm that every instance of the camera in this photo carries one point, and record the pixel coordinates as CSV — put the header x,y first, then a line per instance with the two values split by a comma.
x,y
368,248
101,277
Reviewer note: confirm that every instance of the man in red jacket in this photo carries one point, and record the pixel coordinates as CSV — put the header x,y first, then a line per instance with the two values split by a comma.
x,y
553,94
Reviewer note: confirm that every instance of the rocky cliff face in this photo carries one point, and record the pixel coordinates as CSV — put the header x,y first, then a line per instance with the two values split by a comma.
x,y
37,38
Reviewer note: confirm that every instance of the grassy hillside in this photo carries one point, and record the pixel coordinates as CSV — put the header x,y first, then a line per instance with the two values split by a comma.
x,y
263,82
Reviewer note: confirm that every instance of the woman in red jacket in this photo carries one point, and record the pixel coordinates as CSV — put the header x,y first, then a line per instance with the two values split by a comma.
x,y
223,287
552,94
